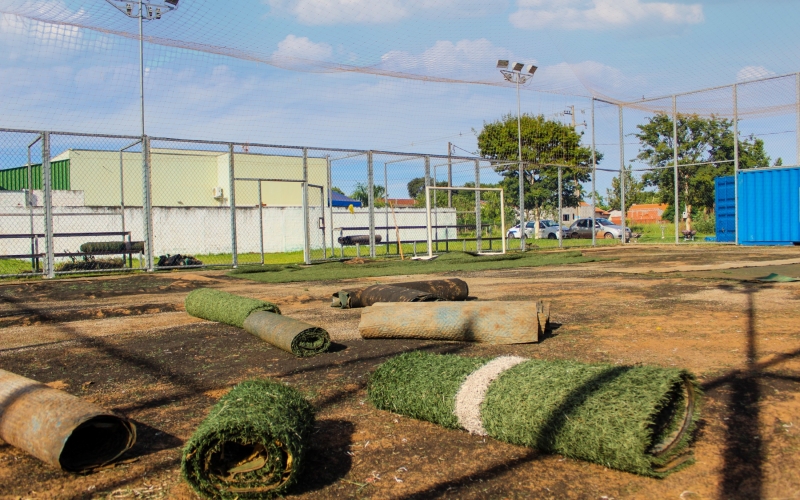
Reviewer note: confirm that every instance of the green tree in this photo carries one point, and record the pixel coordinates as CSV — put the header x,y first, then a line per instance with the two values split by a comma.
x,y
705,148
337,190
634,191
415,187
361,194
546,145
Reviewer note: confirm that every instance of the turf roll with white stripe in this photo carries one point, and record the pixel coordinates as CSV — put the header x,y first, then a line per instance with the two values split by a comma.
x,y
639,419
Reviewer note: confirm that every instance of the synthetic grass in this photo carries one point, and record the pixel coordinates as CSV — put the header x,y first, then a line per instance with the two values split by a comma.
x,y
450,262
223,307
632,418
252,444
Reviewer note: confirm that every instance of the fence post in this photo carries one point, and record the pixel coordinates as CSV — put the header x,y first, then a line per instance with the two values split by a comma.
x,y
330,205
47,187
676,205
371,202
736,160
428,183
594,187
478,228
147,205
232,199
560,210
306,213
622,173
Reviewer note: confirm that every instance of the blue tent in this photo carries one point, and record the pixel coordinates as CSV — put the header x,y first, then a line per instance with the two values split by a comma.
x,y
340,200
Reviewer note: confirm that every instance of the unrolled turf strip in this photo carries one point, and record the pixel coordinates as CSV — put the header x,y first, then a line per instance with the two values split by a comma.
x,y
451,289
252,444
638,419
224,307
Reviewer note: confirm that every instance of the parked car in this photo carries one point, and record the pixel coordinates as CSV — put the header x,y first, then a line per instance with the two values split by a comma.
x,y
604,228
547,229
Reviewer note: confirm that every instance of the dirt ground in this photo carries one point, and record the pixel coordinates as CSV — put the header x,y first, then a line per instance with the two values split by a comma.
x,y
126,344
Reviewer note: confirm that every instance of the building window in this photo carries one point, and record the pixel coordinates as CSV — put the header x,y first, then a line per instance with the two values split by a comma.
x,y
566,217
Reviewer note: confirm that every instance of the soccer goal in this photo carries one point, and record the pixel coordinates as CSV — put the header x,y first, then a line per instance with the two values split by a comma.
x,y
428,190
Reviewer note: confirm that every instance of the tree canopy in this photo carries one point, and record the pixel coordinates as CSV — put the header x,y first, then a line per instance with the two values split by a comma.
x,y
546,144
361,194
706,151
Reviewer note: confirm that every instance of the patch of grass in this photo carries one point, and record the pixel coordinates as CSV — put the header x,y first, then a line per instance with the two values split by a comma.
x,y
13,266
450,262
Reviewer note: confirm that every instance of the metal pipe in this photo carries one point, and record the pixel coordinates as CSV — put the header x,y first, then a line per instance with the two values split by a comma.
x,y
386,202
736,159
676,205
261,222
29,202
478,228
306,228
428,213
232,199
371,202
594,186
450,175
330,204
522,221
622,173
560,211
47,186
435,208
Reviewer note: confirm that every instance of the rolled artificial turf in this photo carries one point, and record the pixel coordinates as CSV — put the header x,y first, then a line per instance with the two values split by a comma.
x,y
297,337
450,289
224,307
637,419
252,444
490,322
112,246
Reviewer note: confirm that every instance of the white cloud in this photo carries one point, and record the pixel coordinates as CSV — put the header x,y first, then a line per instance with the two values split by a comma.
x,y
319,12
601,14
467,59
300,47
753,73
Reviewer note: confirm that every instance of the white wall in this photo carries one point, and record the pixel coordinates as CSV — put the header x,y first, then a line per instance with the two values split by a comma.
x,y
60,198
202,230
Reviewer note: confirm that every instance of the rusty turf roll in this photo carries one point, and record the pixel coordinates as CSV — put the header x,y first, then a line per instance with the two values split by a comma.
x,y
253,443
487,322
291,335
451,289
58,428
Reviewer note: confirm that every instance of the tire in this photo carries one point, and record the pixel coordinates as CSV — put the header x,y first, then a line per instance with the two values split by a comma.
x,y
575,235
608,236
552,236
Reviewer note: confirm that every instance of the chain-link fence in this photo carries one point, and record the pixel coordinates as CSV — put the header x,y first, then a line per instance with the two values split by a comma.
x,y
74,202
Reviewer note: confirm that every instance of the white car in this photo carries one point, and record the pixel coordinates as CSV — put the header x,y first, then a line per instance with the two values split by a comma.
x,y
547,229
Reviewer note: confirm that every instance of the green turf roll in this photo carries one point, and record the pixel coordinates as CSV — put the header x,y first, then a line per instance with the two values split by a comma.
x,y
638,419
224,307
291,335
112,246
252,444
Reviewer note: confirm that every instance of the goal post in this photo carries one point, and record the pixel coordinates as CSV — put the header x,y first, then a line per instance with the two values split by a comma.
x,y
428,190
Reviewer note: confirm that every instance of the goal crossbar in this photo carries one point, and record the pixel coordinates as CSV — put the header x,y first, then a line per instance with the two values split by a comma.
x,y
428,190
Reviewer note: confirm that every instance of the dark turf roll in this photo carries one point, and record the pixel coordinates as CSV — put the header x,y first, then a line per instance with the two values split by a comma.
x,y
112,246
450,289
252,444
638,419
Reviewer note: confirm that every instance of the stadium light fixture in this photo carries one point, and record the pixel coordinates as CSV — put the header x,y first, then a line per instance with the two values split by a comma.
x,y
517,76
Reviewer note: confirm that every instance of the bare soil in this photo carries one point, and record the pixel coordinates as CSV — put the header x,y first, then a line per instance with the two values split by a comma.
x,y
126,344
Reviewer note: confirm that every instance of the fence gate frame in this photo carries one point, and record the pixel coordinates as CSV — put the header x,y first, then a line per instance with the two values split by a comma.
x,y
305,185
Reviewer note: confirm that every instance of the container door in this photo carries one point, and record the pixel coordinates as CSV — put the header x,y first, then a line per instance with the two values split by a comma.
x,y
725,209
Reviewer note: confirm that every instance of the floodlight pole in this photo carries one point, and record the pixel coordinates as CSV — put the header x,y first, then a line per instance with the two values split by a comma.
x,y
515,76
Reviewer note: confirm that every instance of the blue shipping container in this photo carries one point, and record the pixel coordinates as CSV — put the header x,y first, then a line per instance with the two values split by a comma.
x,y
769,206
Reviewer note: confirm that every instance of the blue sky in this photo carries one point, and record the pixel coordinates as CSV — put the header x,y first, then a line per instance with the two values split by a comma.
x,y
308,72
